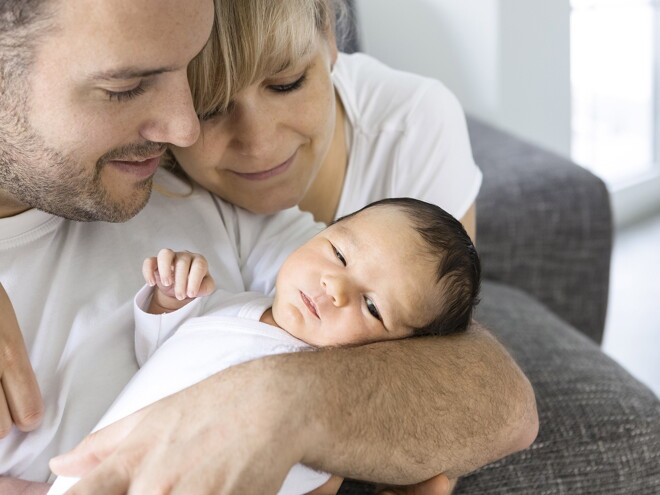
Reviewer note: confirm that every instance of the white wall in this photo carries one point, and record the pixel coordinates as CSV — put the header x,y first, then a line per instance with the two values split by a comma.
x,y
506,60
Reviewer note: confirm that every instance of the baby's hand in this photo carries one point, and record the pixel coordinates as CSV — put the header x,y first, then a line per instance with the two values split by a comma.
x,y
179,277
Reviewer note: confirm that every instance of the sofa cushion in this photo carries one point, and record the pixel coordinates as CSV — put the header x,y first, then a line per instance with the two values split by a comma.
x,y
599,427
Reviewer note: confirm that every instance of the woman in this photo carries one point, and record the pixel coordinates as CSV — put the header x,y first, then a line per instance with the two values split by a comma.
x,y
287,121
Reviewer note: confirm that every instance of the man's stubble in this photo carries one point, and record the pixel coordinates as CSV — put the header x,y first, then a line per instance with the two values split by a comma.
x,y
38,176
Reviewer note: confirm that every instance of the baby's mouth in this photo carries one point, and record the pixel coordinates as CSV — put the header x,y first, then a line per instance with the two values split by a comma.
x,y
310,305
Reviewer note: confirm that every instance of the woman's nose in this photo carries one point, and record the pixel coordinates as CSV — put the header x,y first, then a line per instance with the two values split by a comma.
x,y
253,131
337,289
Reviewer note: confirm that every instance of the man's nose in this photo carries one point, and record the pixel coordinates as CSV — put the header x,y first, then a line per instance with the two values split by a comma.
x,y
173,119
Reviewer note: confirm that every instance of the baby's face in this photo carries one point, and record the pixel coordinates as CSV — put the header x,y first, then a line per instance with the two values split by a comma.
x,y
360,280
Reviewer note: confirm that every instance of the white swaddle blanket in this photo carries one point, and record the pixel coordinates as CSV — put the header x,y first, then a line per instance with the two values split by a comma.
x,y
201,347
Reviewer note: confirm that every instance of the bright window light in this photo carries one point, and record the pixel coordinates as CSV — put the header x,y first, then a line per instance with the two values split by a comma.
x,y
613,66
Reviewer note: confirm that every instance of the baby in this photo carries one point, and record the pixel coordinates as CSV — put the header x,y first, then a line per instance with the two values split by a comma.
x,y
397,268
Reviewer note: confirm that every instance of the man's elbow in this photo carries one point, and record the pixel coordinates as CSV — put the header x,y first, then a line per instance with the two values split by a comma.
x,y
526,425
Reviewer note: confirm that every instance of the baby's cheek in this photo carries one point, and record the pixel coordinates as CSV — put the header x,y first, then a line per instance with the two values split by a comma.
x,y
288,317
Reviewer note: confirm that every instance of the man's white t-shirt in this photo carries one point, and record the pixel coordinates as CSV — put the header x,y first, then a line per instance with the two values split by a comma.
x,y
407,137
72,286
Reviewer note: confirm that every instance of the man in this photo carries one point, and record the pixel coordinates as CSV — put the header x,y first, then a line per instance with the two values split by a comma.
x,y
91,92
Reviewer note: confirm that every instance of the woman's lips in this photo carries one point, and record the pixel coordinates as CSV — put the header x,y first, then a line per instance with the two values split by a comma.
x,y
310,305
267,174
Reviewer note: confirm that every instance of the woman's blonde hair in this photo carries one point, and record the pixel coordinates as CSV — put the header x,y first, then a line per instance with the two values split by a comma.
x,y
252,39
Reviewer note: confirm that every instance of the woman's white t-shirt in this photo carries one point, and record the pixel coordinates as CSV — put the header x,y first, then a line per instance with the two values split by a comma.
x,y
407,136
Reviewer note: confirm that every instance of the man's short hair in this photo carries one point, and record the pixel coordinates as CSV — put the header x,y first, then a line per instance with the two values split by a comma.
x,y
21,23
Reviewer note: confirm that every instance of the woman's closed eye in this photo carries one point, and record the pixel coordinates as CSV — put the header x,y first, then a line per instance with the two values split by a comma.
x,y
287,88
216,112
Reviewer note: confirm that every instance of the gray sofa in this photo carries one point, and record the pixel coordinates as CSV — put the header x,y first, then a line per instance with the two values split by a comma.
x,y
545,237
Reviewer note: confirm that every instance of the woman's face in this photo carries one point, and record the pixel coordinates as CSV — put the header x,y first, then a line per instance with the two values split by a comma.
x,y
265,151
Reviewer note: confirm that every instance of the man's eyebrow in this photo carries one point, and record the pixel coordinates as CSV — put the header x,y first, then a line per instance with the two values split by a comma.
x,y
128,73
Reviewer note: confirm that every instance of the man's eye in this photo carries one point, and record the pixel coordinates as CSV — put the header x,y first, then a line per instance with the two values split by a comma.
x,y
287,88
125,95
372,309
340,257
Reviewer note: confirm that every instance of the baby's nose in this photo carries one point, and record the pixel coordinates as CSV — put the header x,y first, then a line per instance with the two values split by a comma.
x,y
337,288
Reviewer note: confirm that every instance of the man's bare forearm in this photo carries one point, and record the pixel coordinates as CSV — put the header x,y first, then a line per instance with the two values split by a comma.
x,y
399,412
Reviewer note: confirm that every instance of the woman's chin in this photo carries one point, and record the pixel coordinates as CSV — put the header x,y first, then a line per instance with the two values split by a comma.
x,y
266,207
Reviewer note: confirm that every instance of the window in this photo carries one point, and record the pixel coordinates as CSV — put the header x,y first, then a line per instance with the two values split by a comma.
x,y
614,84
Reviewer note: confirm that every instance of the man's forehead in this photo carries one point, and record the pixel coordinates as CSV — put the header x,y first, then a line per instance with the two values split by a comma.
x,y
123,39
120,23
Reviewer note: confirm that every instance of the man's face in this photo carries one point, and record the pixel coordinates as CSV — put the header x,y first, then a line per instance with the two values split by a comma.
x,y
107,91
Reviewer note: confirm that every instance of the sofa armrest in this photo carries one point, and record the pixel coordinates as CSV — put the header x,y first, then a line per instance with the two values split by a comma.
x,y
544,225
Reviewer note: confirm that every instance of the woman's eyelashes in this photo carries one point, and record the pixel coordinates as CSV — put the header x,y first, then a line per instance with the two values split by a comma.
x,y
125,95
287,88
276,88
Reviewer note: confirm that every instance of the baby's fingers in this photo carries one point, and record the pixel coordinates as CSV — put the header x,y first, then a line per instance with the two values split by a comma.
x,y
200,283
192,272
165,259
149,268
206,287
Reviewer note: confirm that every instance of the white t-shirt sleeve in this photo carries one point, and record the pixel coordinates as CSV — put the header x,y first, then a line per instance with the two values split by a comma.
x,y
152,330
436,138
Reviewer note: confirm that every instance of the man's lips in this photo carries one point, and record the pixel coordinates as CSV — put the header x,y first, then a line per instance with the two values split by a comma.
x,y
267,174
310,305
142,168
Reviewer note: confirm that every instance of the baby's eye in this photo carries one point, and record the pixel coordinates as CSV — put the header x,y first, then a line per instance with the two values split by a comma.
x,y
340,257
372,309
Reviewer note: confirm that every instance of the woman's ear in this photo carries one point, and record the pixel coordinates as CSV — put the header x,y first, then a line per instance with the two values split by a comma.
x,y
332,46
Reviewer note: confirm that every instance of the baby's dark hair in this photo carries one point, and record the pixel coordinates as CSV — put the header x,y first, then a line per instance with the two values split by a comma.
x,y
458,269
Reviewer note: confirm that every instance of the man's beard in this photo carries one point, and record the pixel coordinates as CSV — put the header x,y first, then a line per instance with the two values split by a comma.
x,y
38,176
